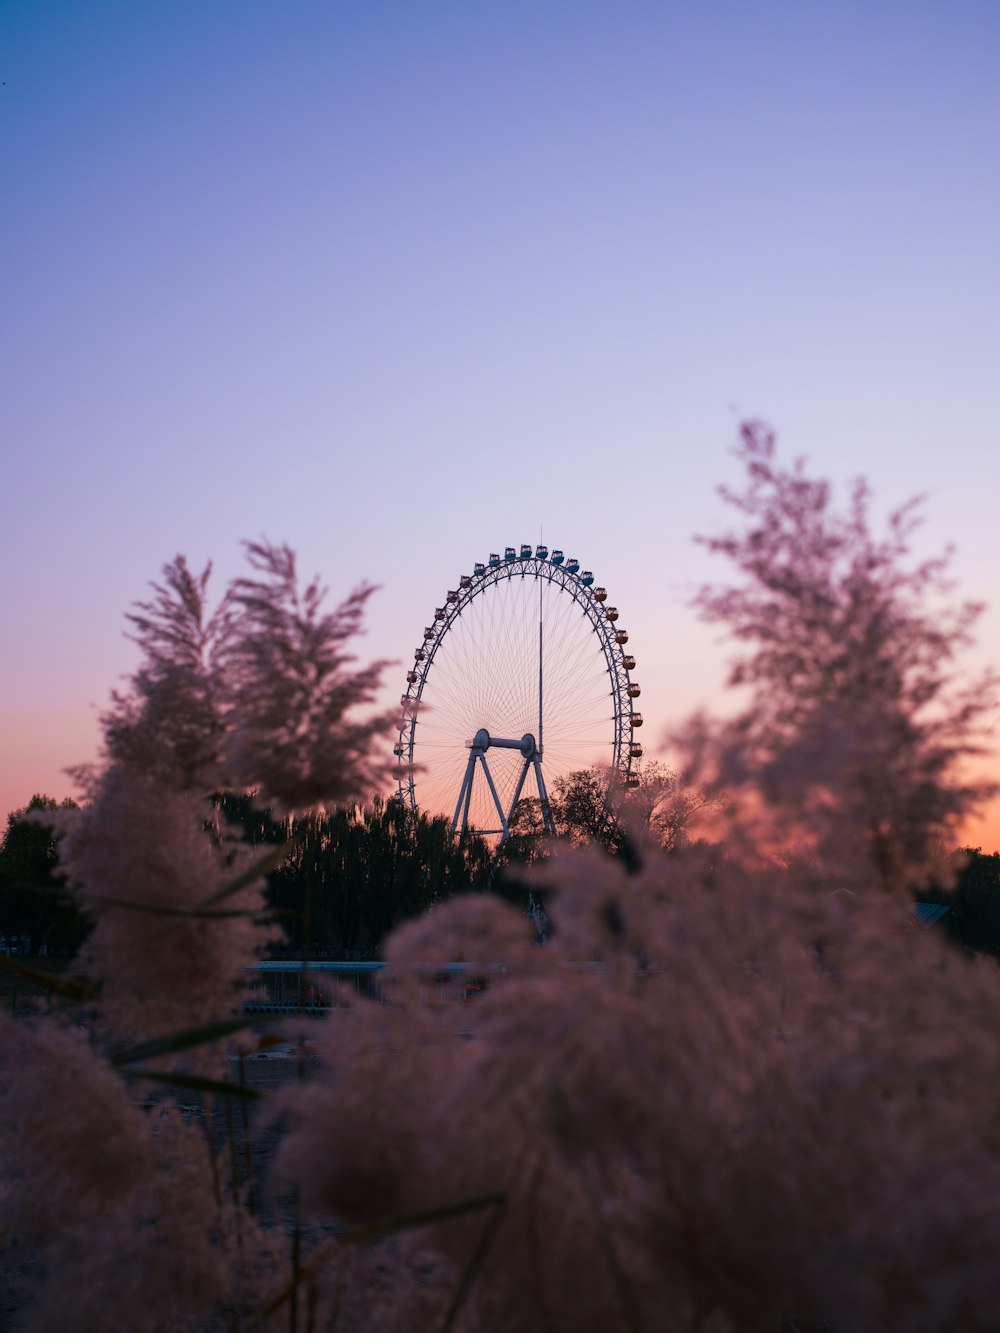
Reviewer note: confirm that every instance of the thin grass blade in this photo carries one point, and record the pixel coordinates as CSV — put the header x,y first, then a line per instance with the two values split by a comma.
x,y
159,909
71,990
376,1231
183,1040
195,1082
472,1268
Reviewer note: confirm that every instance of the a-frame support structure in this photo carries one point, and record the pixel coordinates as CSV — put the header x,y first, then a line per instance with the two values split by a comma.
x,y
531,754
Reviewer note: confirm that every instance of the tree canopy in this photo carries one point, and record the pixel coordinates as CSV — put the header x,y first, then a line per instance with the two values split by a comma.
x,y
33,906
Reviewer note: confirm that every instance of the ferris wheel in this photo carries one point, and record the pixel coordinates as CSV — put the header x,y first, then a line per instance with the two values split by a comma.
x,y
521,679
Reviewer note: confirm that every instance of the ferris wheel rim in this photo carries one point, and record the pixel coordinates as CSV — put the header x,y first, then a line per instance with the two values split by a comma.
x,y
568,579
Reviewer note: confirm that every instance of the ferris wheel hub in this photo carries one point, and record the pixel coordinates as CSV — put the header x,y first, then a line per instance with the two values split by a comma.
x,y
527,745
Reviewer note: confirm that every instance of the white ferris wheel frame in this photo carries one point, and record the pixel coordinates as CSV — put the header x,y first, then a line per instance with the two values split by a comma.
x,y
566,578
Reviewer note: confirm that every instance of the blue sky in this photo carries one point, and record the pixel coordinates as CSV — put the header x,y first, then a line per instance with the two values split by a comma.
x,y
403,283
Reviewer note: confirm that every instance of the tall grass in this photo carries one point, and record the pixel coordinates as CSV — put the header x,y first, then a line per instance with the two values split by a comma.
x,y
735,1090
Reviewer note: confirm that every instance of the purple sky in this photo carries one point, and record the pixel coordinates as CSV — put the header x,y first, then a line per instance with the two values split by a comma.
x,y
404,283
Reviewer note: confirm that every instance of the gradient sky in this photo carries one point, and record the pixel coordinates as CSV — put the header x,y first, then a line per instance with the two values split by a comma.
x,y
404,283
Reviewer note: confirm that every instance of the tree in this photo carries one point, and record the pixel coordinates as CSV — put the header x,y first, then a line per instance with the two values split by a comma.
x,y
352,875
526,841
581,808
32,903
973,918
594,805
662,806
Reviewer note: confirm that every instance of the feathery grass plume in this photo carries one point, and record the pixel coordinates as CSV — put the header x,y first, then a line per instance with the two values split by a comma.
x,y
291,695
718,1098
255,694
124,1203
160,1269
855,737
170,725
119,1209
759,1102
140,845
75,1148
725,1094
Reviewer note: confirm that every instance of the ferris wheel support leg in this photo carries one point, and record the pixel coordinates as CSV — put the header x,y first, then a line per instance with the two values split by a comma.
x,y
504,827
543,796
468,794
517,793
464,794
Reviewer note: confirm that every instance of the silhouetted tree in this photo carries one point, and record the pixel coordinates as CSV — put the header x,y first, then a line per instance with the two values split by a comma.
x,y
661,806
581,809
352,875
973,902
525,843
593,805
32,903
